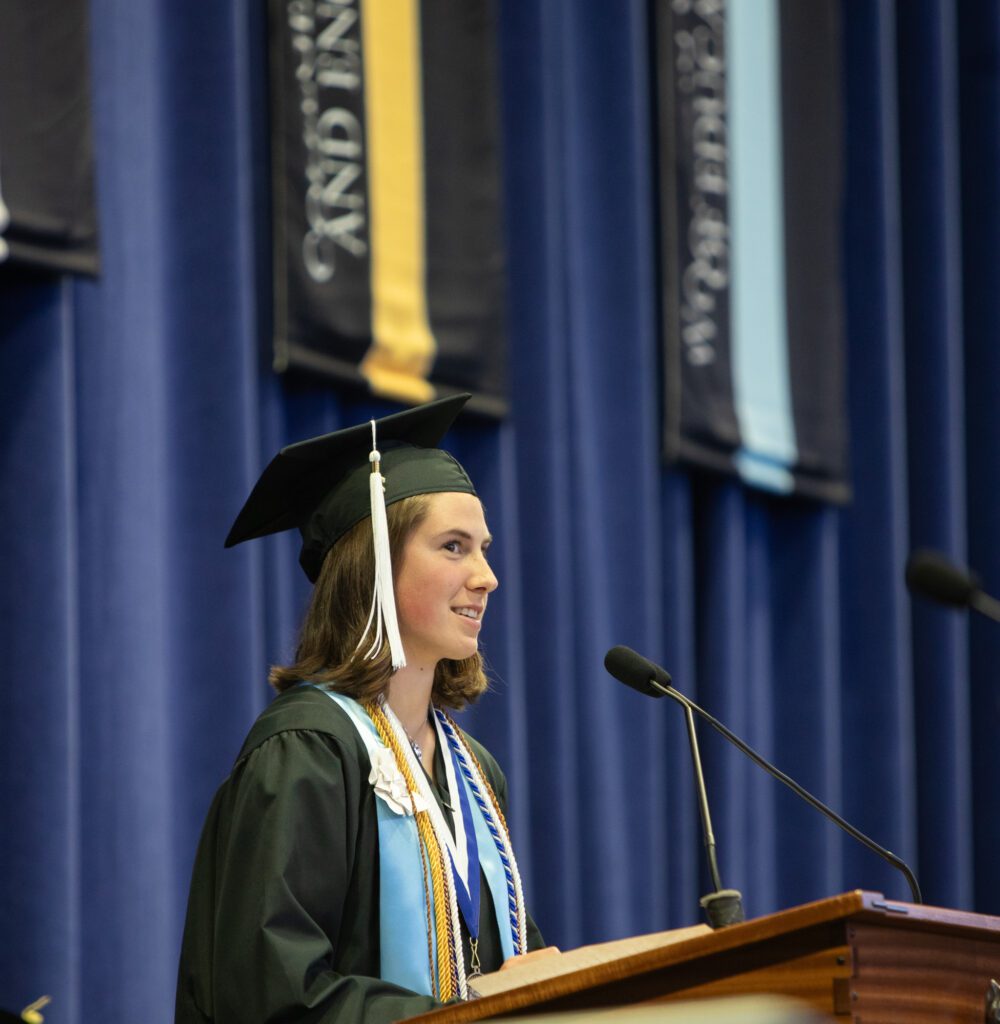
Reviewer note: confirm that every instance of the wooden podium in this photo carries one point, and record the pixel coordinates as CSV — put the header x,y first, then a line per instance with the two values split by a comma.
x,y
856,956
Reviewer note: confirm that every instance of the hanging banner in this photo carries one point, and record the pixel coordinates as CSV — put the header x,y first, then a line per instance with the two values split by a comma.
x,y
388,243
750,153
48,217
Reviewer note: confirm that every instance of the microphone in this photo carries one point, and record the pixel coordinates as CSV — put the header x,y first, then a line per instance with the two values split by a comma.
x,y
633,665
724,906
634,670
930,574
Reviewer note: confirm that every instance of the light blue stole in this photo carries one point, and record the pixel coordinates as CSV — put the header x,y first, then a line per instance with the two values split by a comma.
x,y
402,911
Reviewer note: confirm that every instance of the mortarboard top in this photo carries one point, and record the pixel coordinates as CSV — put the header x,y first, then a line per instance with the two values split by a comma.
x,y
321,486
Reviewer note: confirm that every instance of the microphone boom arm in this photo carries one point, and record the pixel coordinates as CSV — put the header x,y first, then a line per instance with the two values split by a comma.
x,y
985,605
689,707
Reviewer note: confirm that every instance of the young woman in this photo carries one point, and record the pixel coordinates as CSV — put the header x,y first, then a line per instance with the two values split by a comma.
x,y
355,865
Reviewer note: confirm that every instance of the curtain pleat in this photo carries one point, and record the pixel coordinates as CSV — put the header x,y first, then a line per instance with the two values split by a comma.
x,y
40,705
979,92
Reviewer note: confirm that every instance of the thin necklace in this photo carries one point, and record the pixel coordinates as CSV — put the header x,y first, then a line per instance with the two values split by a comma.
x,y
417,748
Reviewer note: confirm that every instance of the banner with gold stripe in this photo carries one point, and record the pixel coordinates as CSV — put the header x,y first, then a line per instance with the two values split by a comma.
x,y
388,244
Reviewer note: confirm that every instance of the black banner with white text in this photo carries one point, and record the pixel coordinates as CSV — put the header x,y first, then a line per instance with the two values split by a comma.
x,y
388,250
48,215
750,152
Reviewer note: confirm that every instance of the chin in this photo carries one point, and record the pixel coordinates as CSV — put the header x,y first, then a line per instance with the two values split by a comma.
x,y
470,652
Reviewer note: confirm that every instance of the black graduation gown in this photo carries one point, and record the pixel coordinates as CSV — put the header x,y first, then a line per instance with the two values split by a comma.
x,y
283,915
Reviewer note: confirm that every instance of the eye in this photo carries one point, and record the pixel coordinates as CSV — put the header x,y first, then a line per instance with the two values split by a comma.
x,y
454,546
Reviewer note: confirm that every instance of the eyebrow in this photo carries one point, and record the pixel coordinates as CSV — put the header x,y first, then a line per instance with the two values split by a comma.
x,y
465,535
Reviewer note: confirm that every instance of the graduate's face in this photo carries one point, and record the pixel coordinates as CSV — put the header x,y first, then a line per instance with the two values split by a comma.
x,y
444,580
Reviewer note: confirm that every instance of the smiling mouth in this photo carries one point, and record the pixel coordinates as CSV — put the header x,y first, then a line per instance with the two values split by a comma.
x,y
469,613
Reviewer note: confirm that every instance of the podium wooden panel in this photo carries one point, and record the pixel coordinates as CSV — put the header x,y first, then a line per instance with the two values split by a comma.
x,y
856,956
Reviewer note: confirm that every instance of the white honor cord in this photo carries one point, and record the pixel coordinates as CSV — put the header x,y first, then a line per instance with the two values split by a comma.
x,y
501,839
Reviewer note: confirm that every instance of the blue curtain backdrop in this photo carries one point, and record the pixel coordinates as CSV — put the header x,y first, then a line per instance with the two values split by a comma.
x,y
136,411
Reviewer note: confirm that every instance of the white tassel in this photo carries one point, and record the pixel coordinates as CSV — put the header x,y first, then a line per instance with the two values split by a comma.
x,y
383,610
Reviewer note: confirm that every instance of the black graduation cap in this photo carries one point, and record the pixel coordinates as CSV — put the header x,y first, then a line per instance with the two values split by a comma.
x,y
321,486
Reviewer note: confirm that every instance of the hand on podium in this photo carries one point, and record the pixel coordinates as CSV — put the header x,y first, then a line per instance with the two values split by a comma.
x,y
512,963
550,962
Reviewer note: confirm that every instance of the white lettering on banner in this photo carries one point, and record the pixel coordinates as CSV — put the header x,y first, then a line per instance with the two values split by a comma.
x,y
700,75
325,41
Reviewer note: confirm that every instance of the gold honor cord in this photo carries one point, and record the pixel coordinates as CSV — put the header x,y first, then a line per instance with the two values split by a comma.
x,y
444,940
403,348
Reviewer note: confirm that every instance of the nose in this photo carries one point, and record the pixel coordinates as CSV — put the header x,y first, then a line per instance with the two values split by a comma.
x,y
482,577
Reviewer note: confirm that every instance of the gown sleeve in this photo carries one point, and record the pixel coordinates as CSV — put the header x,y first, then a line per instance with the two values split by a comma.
x,y
282,919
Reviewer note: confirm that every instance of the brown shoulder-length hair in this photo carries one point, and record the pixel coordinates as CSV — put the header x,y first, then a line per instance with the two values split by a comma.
x,y
327,651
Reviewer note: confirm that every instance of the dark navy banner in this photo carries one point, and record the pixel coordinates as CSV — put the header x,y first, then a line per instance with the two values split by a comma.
x,y
388,250
749,119
48,217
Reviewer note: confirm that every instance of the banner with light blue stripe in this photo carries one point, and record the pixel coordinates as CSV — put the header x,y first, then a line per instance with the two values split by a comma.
x,y
750,149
